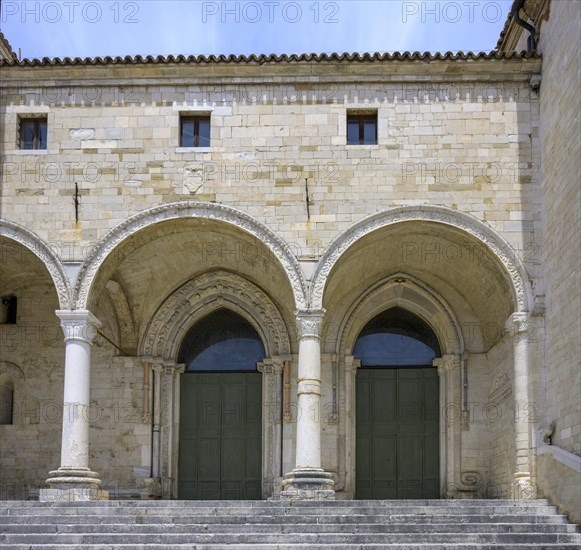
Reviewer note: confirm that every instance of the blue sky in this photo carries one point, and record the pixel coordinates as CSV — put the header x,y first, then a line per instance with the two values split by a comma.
x,y
150,27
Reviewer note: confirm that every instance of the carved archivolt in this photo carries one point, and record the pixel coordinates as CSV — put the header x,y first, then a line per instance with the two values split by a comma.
x,y
43,252
203,210
513,267
204,294
387,294
12,370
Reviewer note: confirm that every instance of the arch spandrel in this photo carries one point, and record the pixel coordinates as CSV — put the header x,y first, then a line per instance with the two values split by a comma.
x,y
512,267
45,254
184,210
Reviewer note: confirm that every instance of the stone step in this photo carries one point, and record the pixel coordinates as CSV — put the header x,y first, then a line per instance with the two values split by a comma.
x,y
286,546
285,519
267,525
269,503
361,527
297,538
211,510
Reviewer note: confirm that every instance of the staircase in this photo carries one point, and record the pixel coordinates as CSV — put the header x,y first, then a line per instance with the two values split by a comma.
x,y
267,525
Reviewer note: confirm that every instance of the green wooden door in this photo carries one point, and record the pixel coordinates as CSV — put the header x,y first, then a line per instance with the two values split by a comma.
x,y
220,436
397,433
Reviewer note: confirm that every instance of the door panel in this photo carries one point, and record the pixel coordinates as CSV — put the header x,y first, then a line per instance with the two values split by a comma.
x,y
397,441
220,436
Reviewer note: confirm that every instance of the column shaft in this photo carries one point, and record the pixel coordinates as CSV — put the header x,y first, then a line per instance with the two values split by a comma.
x,y
74,481
517,325
309,395
308,480
75,432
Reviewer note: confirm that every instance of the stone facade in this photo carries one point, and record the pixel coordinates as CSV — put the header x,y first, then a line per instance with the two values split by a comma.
x,y
454,215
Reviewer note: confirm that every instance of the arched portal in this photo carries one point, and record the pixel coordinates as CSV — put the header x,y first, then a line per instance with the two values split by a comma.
x,y
207,323
221,409
397,400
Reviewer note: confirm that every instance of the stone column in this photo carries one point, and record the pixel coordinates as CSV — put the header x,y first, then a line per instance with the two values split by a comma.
x,y
308,480
517,325
351,366
271,370
450,423
74,481
165,437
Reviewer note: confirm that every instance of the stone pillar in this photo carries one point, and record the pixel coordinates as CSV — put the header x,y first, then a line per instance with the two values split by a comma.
x,y
450,423
74,481
165,436
351,366
308,480
271,370
517,326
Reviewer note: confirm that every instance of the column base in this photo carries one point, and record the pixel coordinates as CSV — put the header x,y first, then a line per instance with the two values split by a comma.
x,y
73,485
308,484
522,487
152,489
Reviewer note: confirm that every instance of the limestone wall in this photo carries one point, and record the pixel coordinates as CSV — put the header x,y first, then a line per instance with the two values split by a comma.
x,y
561,135
32,354
468,145
471,143
501,412
560,132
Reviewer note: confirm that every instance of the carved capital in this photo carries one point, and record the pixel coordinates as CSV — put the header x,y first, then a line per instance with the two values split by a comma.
x,y
309,322
180,368
78,325
264,368
157,366
447,363
352,364
517,323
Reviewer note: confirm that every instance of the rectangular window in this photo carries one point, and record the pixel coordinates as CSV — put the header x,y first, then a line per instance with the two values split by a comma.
x,y
33,133
361,129
195,131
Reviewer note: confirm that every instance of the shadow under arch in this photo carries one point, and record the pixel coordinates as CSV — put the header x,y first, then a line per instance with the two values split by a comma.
x,y
513,268
40,249
183,210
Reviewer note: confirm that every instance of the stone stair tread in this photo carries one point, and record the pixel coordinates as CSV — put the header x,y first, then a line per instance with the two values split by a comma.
x,y
317,538
269,520
296,503
361,527
275,511
267,525
395,546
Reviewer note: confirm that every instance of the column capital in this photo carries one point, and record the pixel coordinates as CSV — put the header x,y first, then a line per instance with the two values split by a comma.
x,y
270,366
78,325
447,363
309,322
518,322
352,364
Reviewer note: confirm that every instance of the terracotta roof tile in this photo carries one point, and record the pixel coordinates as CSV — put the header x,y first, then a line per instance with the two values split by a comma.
x,y
272,58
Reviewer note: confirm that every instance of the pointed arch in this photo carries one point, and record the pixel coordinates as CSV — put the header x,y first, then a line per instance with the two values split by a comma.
x,y
207,293
404,291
